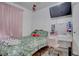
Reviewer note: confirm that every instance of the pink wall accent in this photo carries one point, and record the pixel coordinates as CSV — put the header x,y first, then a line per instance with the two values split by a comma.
x,y
10,21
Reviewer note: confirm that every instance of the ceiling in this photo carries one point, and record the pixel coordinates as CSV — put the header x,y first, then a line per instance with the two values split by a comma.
x,y
29,5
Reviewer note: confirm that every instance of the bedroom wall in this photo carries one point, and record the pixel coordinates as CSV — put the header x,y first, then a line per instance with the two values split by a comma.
x,y
38,20
42,20
27,17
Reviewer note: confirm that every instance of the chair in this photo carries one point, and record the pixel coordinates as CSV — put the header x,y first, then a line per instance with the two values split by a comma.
x,y
52,42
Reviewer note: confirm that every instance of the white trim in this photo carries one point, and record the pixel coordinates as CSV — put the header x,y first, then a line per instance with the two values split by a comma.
x,y
10,3
16,5
73,54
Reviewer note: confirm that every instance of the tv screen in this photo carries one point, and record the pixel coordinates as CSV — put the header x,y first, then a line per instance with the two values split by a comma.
x,y
61,10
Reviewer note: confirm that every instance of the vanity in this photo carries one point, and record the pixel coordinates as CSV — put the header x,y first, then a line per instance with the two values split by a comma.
x,y
65,44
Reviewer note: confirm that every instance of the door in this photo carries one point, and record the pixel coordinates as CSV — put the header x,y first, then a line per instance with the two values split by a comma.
x,y
75,15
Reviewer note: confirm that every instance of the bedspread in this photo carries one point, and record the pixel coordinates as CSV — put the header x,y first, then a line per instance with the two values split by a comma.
x,y
27,46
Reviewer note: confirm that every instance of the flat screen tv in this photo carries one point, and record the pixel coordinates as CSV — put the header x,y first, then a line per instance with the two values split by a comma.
x,y
63,9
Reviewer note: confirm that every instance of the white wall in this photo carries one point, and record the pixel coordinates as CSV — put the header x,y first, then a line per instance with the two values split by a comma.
x,y
27,18
38,20
42,20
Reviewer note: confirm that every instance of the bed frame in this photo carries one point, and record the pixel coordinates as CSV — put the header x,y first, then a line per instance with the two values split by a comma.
x,y
40,51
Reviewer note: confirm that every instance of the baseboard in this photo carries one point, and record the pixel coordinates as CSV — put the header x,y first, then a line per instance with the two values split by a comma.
x,y
74,54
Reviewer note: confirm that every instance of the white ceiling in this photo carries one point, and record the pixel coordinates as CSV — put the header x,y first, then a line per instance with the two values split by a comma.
x,y
40,5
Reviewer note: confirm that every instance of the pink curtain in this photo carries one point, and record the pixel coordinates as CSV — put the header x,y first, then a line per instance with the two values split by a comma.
x,y
10,21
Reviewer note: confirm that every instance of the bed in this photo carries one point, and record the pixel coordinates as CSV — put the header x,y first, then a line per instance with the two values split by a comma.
x,y
27,47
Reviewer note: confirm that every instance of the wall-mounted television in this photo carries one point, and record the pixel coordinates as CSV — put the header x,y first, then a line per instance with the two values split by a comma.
x,y
62,9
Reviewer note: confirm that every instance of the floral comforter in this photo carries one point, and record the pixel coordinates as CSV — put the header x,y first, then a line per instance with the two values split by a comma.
x,y
27,46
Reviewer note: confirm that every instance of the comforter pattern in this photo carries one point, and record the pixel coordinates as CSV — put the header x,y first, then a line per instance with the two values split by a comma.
x,y
27,46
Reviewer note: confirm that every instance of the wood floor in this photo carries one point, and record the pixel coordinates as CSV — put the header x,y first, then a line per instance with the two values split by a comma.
x,y
45,52
41,51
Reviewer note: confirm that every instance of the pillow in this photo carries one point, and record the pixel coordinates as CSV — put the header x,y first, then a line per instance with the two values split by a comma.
x,y
39,33
35,35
